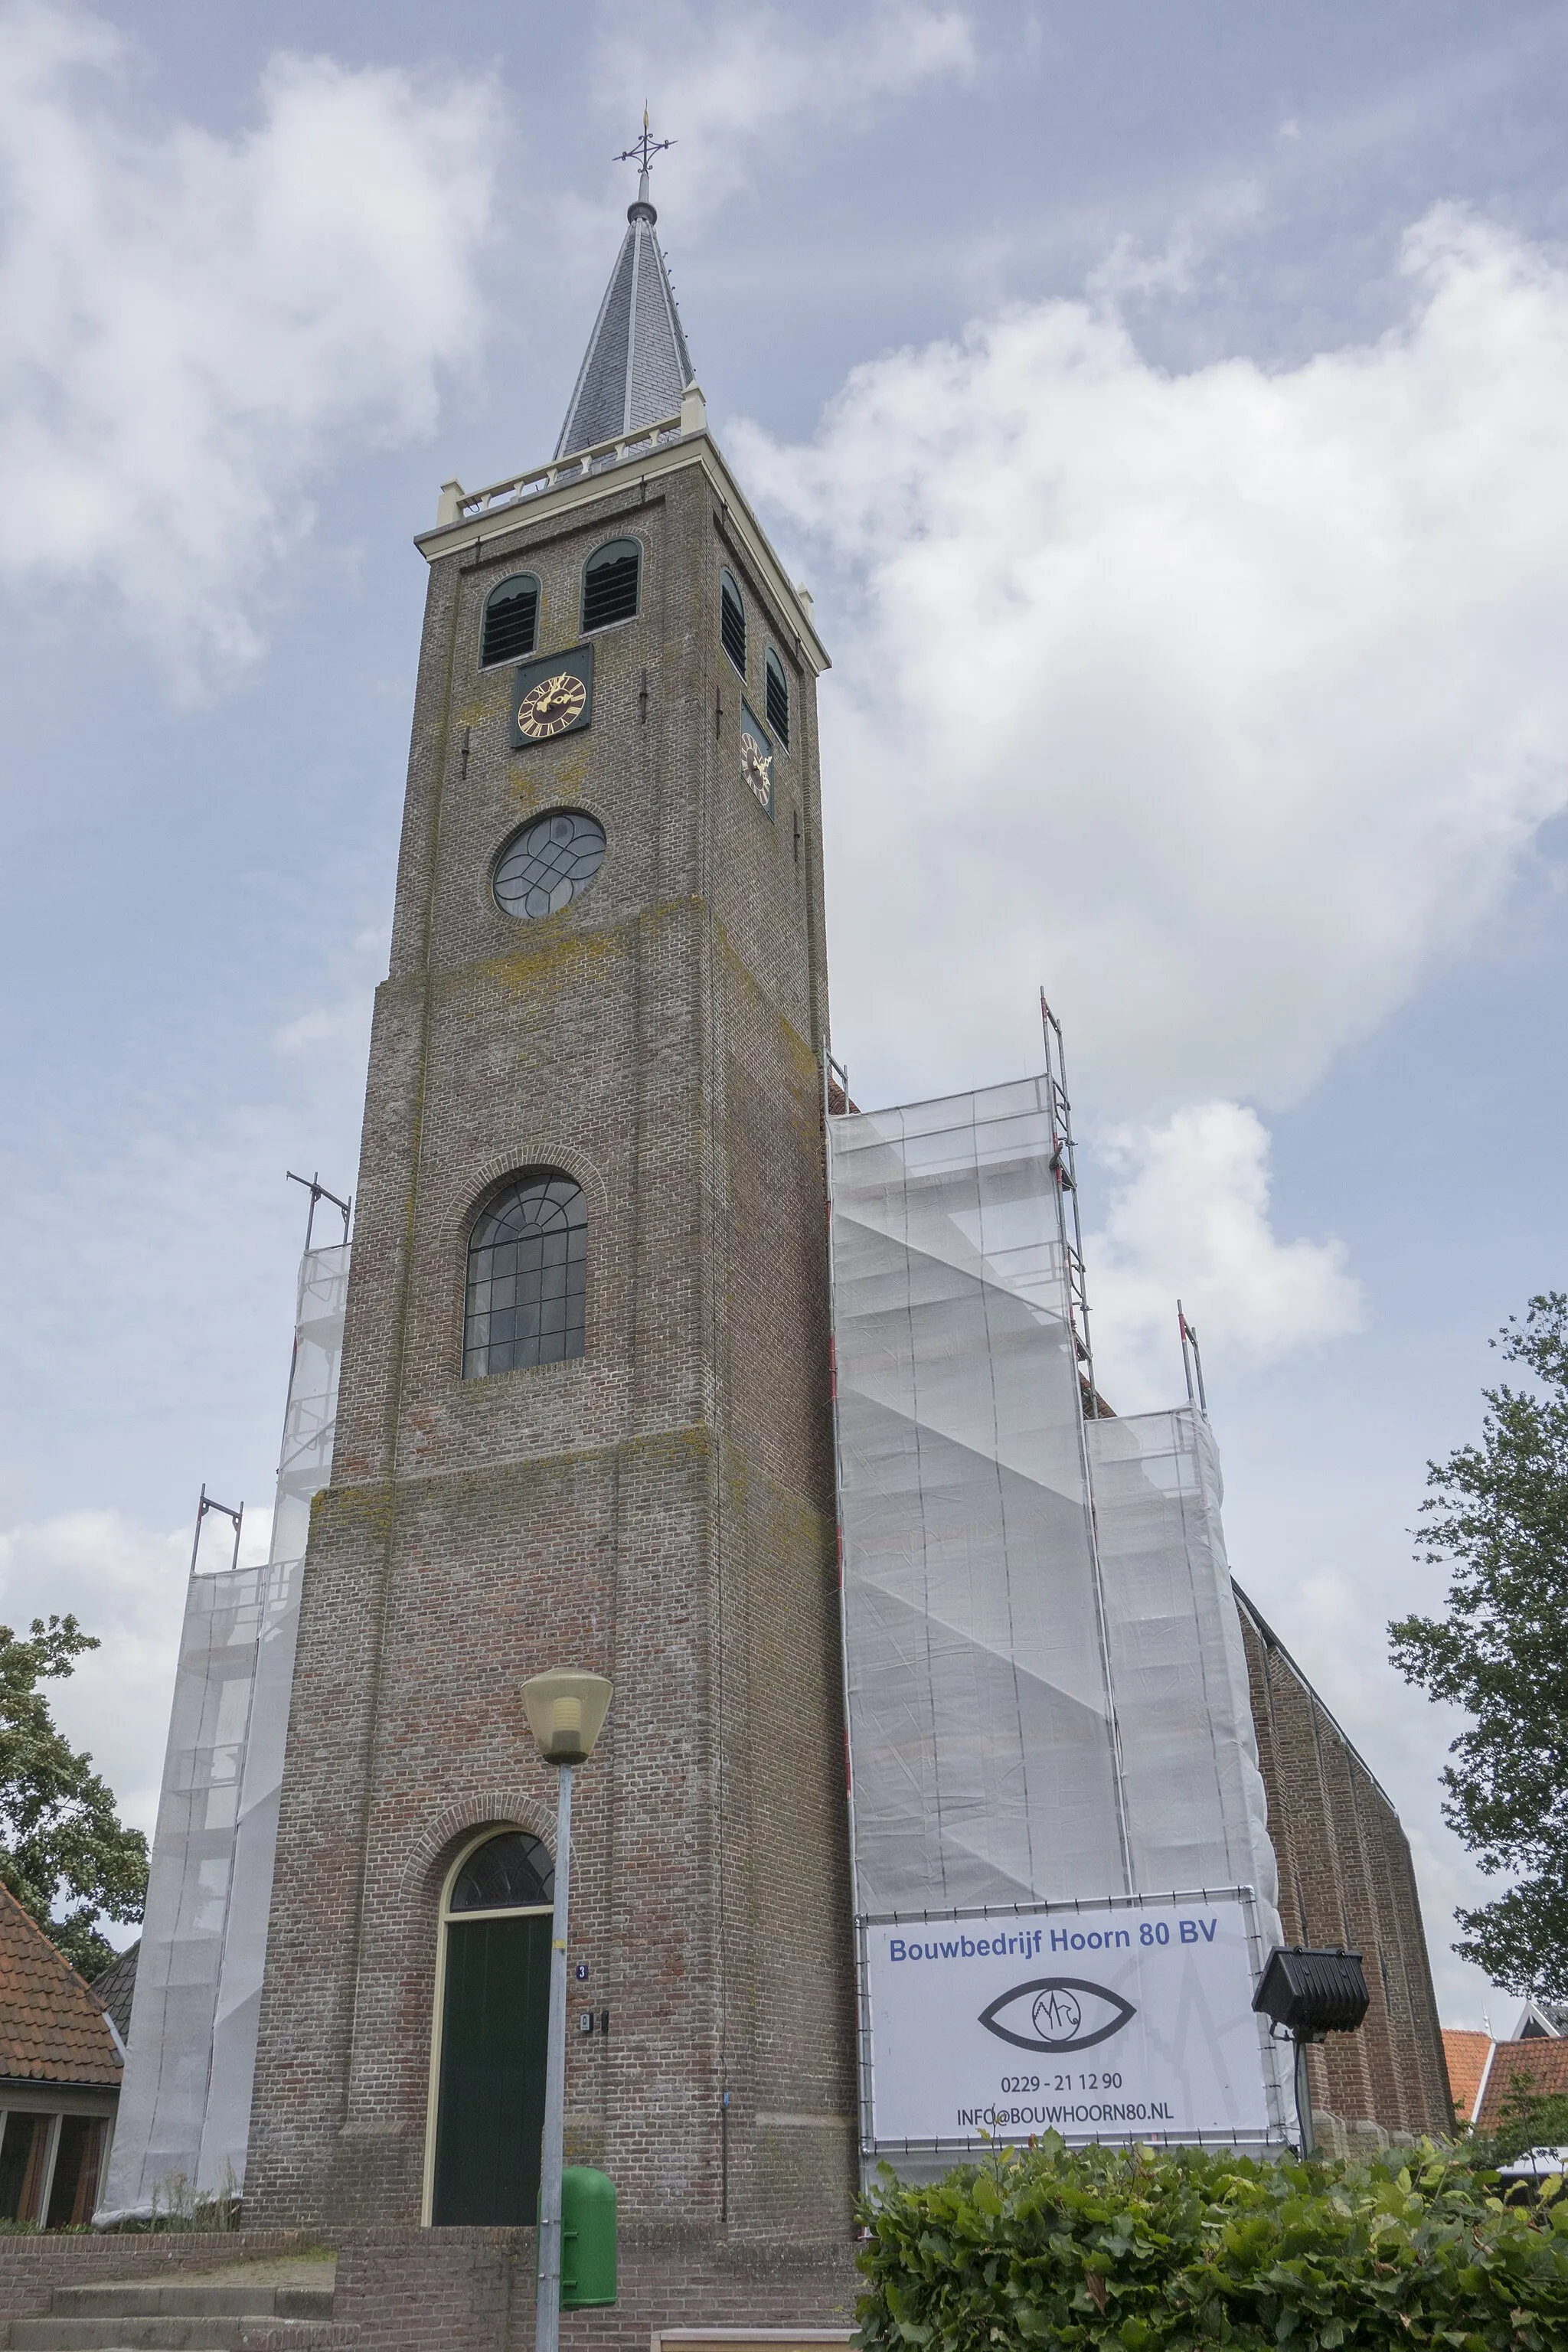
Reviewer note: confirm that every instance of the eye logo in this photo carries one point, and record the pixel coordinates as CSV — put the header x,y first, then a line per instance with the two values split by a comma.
x,y
1057,2015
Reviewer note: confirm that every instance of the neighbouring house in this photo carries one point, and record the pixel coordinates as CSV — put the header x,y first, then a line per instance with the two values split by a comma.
x,y
1483,2072
61,2064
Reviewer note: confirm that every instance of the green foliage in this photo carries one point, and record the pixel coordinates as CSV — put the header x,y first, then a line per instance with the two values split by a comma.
x,y
1497,1521
1150,2250
60,1836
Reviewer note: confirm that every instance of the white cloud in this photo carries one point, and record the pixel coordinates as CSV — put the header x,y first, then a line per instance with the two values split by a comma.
x,y
1190,1219
126,1584
1224,702
191,326
730,82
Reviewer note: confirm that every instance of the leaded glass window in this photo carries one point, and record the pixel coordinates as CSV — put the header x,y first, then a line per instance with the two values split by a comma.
x,y
547,865
527,1258
510,1872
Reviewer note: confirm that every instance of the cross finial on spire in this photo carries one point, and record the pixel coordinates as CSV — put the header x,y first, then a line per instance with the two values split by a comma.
x,y
645,148
643,152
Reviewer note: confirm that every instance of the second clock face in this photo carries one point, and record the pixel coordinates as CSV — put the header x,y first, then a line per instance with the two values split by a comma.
x,y
553,697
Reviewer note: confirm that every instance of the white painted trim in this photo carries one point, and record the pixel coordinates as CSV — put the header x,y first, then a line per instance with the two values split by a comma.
x,y
697,448
1481,2086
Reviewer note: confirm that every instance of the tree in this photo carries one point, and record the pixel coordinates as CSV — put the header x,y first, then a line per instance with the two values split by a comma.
x,y
60,1836
1497,1520
1527,2118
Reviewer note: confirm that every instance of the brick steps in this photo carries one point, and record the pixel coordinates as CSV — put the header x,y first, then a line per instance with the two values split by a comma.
x,y
211,2314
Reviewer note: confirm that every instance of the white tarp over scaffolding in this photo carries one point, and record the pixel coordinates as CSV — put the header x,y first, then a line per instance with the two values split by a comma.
x,y
982,1744
184,2107
1197,1811
1046,1688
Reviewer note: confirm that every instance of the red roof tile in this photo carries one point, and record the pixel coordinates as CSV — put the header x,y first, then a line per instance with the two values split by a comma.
x,y
51,2028
1466,2052
1543,2061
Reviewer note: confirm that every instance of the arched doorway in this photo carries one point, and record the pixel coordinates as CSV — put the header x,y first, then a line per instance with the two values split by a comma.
x,y
493,2006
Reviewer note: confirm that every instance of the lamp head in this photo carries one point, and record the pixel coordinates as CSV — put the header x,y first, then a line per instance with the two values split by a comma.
x,y
1311,1993
566,1710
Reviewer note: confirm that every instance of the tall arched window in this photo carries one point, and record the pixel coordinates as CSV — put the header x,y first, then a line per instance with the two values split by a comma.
x,y
511,619
493,2020
778,698
610,584
733,621
528,1262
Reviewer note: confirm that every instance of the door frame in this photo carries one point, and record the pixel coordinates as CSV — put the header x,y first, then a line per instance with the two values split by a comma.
x,y
445,1916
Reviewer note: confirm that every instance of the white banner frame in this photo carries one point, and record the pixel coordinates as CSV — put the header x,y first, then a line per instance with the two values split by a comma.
x,y
1083,1929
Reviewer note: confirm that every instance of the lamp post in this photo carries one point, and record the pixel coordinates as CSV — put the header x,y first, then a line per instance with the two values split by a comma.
x,y
565,1712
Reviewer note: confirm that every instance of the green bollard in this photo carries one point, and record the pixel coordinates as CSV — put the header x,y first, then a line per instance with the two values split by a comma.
x,y
587,2238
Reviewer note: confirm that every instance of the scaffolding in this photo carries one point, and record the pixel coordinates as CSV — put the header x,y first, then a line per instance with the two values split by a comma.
x,y
983,1745
1044,1684
184,2106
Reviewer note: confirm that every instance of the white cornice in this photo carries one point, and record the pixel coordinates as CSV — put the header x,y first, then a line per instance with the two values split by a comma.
x,y
532,497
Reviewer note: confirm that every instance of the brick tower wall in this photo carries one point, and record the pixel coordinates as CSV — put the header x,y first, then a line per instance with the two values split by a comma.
x,y
659,1510
1346,1878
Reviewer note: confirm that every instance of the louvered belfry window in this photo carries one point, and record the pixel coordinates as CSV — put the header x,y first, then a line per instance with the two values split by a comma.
x,y
512,620
528,1262
732,622
778,698
610,584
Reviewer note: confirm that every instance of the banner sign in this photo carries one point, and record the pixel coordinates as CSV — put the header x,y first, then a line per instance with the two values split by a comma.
x,y
1123,2020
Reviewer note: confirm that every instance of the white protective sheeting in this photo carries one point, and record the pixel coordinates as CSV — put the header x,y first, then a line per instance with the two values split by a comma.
x,y
1045,1687
185,2107
983,1750
1197,1814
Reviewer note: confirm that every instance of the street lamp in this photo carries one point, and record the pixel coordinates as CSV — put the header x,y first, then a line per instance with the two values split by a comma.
x,y
565,1712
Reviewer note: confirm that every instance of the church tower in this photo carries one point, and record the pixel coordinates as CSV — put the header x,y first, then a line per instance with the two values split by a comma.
x,y
585,1409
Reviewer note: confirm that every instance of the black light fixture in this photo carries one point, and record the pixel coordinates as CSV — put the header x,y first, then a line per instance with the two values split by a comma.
x,y
1309,1995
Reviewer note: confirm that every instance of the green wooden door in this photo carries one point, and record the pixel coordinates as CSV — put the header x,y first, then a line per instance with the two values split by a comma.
x,y
490,2111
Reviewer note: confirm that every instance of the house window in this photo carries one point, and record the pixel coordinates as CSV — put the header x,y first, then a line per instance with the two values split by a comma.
x,y
528,1262
610,584
778,698
50,2167
492,2019
511,619
733,621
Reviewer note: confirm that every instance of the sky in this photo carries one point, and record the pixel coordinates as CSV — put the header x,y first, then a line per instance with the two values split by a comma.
x,y
1163,401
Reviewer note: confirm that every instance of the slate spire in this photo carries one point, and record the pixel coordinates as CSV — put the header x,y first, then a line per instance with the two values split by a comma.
x,y
637,364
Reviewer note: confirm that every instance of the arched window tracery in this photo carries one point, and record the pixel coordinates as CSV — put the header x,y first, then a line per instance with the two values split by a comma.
x,y
527,1278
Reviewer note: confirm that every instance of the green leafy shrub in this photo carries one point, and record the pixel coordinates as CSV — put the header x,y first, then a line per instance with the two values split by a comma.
x,y
1150,2250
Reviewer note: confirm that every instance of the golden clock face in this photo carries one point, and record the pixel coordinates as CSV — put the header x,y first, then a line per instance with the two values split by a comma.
x,y
756,767
551,706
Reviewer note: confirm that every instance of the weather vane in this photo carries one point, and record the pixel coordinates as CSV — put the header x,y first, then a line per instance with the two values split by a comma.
x,y
645,148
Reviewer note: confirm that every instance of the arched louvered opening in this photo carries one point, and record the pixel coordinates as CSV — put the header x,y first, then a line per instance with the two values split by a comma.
x,y
610,580
528,1265
512,620
733,621
778,698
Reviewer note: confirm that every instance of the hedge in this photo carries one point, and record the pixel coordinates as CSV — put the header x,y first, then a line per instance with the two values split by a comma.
x,y
1150,2250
